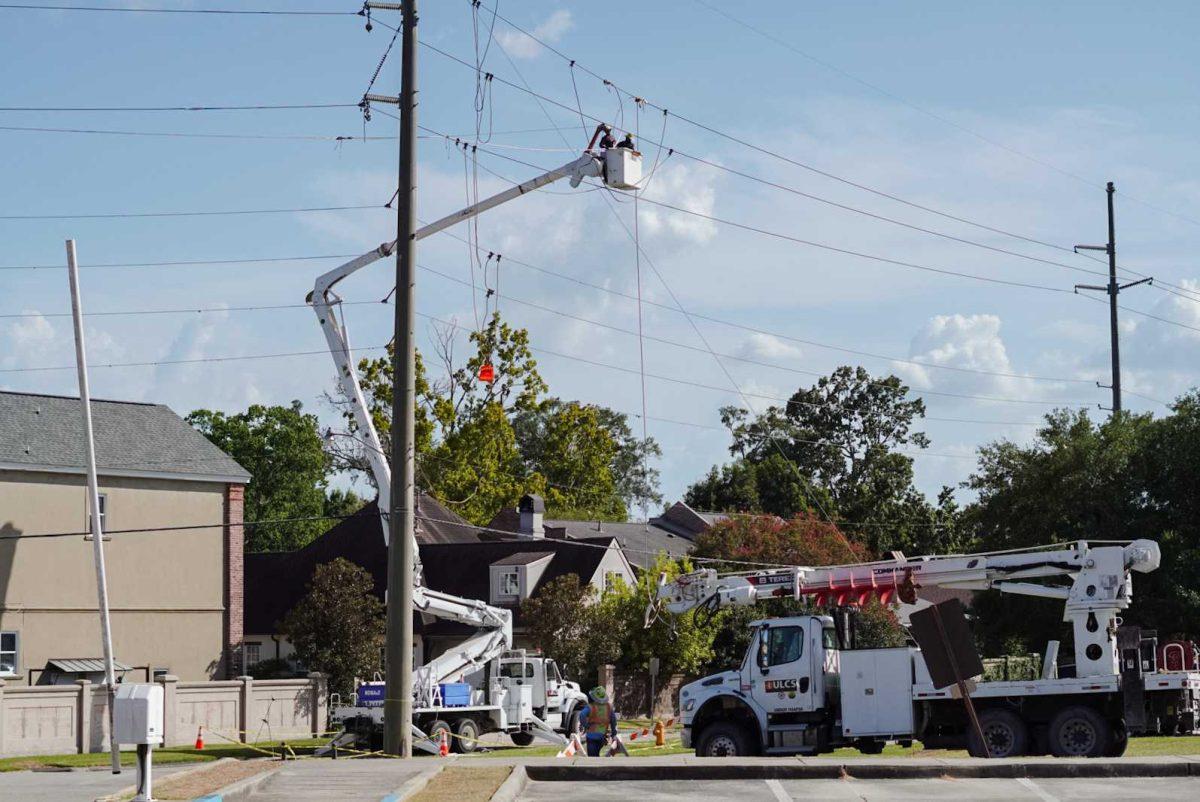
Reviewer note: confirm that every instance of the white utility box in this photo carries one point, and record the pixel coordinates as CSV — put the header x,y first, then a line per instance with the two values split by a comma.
x,y
622,168
138,714
877,692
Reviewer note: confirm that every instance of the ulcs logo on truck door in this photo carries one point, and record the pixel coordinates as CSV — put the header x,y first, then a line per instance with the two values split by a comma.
x,y
782,686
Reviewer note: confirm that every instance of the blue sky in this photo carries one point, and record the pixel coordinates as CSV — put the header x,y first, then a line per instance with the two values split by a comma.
x,y
1100,91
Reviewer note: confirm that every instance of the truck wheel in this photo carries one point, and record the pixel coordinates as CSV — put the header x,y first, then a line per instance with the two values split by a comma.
x,y
521,738
574,723
1004,733
1080,732
1120,741
436,728
468,733
723,740
870,746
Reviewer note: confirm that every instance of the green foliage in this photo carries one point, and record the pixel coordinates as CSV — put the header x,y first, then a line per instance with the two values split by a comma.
x,y
342,504
584,630
481,445
337,627
281,448
566,623
835,448
1129,477
273,668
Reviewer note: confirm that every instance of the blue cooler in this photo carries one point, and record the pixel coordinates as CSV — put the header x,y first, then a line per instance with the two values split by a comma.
x,y
455,694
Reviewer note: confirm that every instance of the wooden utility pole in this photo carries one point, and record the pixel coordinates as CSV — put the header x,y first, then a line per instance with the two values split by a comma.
x,y
1113,289
397,708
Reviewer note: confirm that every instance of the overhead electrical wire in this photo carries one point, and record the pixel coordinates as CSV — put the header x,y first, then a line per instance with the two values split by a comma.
x,y
215,107
255,12
211,213
574,64
196,135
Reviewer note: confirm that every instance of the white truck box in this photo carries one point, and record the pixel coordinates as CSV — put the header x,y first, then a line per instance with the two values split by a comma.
x,y
877,692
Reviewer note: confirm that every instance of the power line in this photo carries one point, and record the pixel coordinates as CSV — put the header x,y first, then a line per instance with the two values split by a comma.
x,y
821,245
740,141
193,135
217,213
252,107
188,262
261,12
745,360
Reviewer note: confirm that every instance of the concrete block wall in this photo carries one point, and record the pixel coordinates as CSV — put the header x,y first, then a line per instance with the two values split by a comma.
x,y
64,719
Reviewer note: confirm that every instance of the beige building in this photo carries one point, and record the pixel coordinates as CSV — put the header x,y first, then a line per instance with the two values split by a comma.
x,y
172,516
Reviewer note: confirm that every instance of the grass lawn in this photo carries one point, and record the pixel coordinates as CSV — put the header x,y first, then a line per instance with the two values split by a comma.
x,y
463,784
162,757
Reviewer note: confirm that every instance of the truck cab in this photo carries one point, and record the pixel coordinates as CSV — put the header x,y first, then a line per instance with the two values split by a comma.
x,y
555,698
782,699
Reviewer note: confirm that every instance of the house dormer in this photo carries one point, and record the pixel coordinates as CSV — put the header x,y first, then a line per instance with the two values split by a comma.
x,y
514,578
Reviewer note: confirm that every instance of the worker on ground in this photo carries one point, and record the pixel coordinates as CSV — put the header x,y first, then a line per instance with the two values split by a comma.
x,y
600,720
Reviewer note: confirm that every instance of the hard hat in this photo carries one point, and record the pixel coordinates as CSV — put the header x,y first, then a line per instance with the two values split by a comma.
x,y
598,694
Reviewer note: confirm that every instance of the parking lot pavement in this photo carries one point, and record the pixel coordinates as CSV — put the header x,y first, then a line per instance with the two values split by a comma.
x,y
60,786
1158,788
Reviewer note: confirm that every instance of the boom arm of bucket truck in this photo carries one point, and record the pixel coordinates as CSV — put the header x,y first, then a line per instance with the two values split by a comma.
x,y
620,168
1101,586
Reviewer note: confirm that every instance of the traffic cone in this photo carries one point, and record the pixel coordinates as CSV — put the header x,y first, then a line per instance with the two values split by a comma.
x,y
444,746
200,738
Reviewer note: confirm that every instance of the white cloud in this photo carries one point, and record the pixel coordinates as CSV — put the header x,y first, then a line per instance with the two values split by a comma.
x,y
550,30
767,346
687,188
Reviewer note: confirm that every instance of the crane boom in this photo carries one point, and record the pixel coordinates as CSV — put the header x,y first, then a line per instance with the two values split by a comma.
x,y
620,170
1101,585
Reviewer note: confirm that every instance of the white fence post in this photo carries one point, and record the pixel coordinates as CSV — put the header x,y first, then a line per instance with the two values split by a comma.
x,y
247,701
83,738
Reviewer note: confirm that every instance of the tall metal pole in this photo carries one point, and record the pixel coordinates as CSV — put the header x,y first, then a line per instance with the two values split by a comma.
x,y
397,711
1114,290
93,492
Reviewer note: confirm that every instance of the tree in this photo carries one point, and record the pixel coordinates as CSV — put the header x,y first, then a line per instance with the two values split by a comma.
x,y
1129,477
337,627
482,445
342,504
281,448
744,542
834,448
566,623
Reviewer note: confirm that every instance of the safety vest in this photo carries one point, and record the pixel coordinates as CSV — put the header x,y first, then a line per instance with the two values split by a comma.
x,y
597,719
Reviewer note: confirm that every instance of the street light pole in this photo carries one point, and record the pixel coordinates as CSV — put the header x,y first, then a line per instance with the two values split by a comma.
x,y
397,712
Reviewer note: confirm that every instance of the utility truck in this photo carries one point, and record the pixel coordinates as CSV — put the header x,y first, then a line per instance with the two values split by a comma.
x,y
802,689
472,688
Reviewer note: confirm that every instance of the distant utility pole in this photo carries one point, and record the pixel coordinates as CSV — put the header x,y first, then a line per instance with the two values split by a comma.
x,y
397,708
1113,289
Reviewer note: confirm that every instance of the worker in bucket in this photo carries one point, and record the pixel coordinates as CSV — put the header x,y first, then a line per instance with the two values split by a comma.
x,y
600,720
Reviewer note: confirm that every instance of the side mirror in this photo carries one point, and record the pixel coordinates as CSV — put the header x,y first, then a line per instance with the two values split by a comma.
x,y
764,655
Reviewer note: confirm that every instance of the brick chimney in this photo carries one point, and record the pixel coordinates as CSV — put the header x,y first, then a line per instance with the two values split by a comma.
x,y
532,510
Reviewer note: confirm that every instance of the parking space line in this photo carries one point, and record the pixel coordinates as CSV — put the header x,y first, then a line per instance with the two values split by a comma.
x,y
777,789
1037,789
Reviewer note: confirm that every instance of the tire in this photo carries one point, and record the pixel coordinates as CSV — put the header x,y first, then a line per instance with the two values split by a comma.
x,y
1120,741
1004,732
468,733
723,740
870,746
1080,732
521,738
435,732
573,722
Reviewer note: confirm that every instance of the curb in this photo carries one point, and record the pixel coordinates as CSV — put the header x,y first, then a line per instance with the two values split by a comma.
x,y
413,785
512,786
240,789
130,790
865,771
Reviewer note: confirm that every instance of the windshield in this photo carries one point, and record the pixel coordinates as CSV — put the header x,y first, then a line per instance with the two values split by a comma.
x,y
514,670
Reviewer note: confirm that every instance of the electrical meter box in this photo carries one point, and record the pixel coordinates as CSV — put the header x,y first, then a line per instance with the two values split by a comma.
x,y
138,714
622,168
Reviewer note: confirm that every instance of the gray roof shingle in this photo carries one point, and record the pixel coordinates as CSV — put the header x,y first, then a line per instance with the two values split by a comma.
x,y
46,431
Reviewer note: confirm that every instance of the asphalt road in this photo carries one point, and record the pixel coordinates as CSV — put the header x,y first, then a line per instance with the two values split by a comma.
x,y
67,786
1157,788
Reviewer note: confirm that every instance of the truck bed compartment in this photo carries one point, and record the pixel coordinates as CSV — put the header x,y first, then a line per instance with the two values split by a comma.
x,y
876,687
